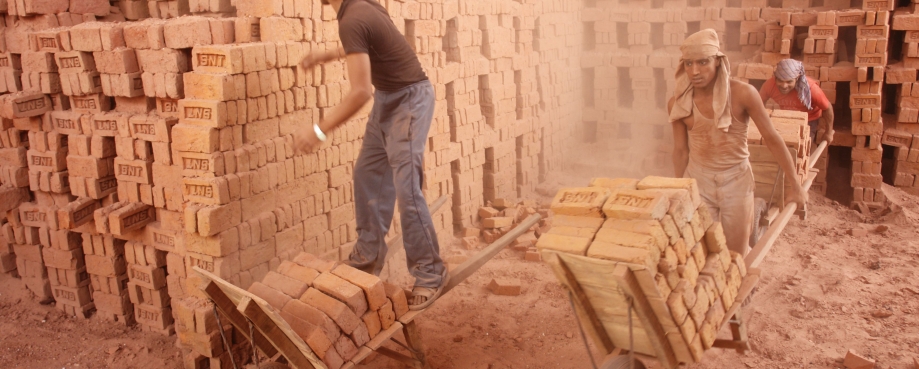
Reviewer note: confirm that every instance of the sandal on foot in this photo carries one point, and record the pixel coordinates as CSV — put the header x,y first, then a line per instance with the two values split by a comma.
x,y
430,294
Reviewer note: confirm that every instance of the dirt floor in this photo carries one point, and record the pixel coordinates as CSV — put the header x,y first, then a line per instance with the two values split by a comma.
x,y
823,293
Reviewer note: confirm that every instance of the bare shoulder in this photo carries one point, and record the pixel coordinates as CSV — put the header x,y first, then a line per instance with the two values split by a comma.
x,y
743,89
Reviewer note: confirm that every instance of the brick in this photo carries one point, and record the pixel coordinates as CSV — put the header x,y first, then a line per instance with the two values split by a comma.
x,y
343,316
585,201
93,103
855,361
370,284
130,217
345,347
275,29
49,161
273,297
314,316
318,342
636,204
615,252
215,219
218,59
289,286
77,213
311,261
497,222
343,291
162,61
86,37
186,32
159,318
203,112
504,286
397,298
208,86
193,138
208,191
137,171
24,104
567,244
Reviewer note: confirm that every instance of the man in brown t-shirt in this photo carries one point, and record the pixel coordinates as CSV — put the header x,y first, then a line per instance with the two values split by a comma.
x,y
390,164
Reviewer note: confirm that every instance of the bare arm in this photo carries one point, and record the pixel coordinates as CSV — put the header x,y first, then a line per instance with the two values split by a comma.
x,y
755,109
680,145
316,58
830,116
360,93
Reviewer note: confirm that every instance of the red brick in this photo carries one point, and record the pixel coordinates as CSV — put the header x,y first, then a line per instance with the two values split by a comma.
x,y
130,217
24,104
300,273
504,286
193,138
93,103
333,360
345,347
78,296
398,299
111,35
313,316
185,32
386,315
310,333
147,276
218,59
159,318
273,297
162,61
370,284
289,286
334,309
311,261
86,37
360,336
343,291
372,320
77,213
113,303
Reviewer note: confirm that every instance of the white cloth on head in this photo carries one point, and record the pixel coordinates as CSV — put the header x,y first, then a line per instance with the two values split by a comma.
x,y
701,45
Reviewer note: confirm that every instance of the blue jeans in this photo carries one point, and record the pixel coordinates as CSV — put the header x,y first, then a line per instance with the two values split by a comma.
x,y
390,167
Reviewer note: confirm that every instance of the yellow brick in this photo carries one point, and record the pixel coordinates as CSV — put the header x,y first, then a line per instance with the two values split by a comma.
x,y
587,233
581,201
568,244
688,184
575,221
648,227
677,307
614,252
634,204
628,239
690,271
670,228
614,183
698,253
714,238
681,205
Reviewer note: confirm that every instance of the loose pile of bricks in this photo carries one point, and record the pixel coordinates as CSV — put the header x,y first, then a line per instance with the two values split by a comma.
x,y
334,308
658,226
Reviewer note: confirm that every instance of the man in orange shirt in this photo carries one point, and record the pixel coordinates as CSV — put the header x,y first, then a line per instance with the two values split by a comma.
x,y
793,90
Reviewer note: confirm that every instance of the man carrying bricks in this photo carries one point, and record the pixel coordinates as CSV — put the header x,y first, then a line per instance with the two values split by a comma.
x,y
791,89
390,164
710,114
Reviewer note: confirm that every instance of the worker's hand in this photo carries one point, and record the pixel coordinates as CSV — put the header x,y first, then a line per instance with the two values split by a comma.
x,y
305,140
828,136
799,196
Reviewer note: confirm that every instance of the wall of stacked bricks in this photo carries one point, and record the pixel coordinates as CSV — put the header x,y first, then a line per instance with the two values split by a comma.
x,y
141,139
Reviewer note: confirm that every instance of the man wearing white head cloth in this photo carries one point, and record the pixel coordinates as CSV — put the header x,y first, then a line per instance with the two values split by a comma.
x,y
710,114
791,89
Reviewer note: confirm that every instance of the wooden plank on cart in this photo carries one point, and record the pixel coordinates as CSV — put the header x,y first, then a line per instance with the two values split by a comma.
x,y
228,309
269,323
582,304
642,307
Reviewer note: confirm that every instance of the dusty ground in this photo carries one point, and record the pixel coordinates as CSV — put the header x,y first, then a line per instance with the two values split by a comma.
x,y
823,292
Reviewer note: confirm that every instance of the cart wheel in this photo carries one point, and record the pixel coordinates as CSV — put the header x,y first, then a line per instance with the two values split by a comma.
x,y
760,210
621,362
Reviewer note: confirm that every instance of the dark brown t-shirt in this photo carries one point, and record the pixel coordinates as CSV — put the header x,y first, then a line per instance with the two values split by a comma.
x,y
365,27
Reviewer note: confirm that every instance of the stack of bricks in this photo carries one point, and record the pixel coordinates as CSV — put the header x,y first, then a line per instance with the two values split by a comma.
x,y
793,129
334,308
107,268
902,137
661,229
147,287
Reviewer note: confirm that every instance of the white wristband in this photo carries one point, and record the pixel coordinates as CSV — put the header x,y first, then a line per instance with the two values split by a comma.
x,y
321,136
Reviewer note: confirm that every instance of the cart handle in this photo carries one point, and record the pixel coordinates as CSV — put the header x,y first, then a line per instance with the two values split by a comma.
x,y
762,247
